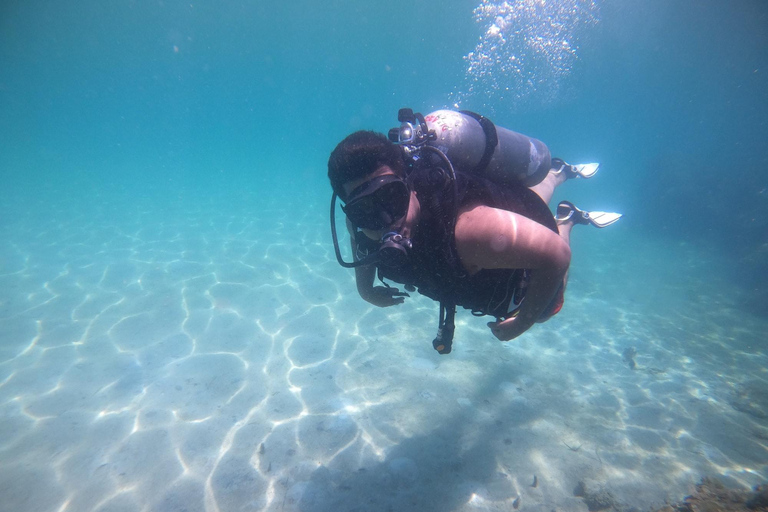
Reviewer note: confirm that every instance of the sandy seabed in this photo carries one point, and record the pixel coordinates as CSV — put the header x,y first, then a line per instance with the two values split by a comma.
x,y
212,359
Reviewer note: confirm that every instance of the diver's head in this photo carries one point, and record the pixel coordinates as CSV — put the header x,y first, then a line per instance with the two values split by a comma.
x,y
360,155
368,172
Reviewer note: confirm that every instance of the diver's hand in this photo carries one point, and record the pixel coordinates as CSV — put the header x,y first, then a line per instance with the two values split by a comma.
x,y
383,297
510,328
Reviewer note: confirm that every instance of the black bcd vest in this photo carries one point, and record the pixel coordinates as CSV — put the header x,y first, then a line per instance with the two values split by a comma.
x,y
433,266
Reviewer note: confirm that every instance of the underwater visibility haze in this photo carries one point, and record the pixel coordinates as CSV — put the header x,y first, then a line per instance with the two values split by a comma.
x,y
175,331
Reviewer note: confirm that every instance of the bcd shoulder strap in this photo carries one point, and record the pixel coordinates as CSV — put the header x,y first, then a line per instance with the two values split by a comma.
x,y
491,140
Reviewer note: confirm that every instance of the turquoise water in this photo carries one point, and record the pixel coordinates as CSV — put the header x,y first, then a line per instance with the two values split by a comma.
x,y
175,333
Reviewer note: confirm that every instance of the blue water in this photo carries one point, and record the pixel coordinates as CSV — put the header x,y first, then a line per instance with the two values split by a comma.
x,y
175,333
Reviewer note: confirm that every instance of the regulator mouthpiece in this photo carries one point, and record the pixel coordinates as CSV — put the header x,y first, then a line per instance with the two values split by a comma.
x,y
394,249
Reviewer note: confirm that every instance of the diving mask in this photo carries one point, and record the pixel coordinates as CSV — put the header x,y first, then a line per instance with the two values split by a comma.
x,y
378,203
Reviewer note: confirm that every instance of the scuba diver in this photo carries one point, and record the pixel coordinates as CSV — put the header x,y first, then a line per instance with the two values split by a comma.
x,y
455,207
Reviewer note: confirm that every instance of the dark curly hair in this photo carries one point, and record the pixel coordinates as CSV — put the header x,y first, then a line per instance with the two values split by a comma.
x,y
360,154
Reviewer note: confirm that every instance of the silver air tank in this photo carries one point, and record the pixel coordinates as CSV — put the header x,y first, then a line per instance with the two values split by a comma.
x,y
516,158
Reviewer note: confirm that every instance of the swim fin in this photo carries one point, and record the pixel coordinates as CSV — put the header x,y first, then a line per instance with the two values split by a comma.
x,y
603,219
567,211
584,170
576,170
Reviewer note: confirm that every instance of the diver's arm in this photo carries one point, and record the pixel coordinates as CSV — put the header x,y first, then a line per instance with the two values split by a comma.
x,y
488,238
381,296
364,277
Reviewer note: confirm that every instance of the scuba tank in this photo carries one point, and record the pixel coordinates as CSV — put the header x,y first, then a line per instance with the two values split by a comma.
x,y
474,145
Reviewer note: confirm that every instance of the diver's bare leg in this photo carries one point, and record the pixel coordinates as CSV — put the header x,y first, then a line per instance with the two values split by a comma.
x,y
547,187
564,228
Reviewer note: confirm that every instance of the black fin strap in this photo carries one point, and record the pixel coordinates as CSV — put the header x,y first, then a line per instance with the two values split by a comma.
x,y
444,339
491,140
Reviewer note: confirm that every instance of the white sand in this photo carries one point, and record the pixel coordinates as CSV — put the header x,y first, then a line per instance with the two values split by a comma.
x,y
215,362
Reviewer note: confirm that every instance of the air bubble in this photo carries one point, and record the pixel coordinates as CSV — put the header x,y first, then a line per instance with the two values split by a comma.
x,y
528,49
